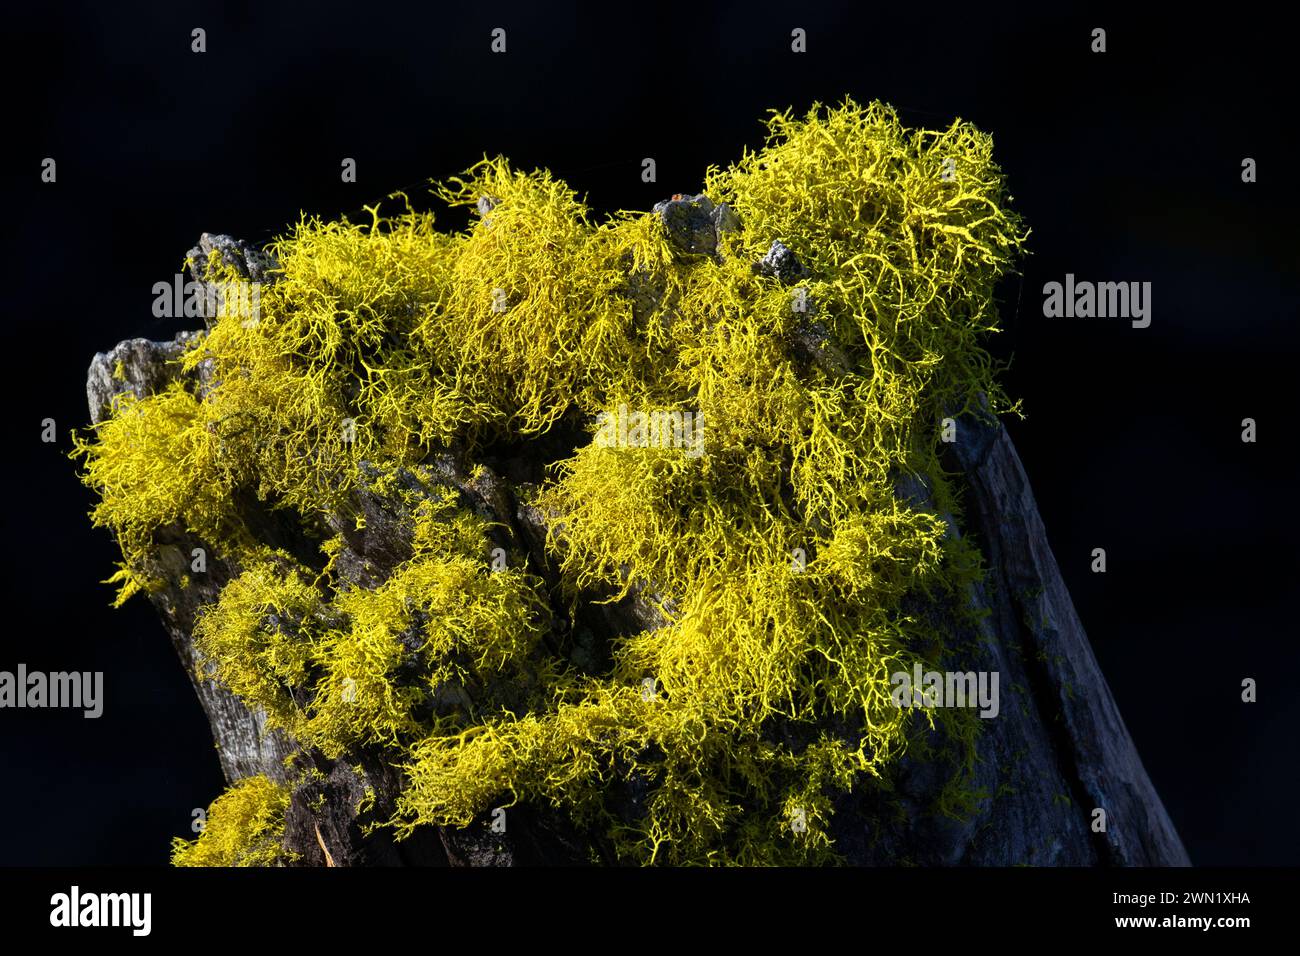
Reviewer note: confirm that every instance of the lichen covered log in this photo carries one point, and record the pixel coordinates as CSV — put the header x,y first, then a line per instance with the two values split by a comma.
x,y
561,540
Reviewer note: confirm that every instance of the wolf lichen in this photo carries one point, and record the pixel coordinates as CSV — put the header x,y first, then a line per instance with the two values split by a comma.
x,y
382,343
242,828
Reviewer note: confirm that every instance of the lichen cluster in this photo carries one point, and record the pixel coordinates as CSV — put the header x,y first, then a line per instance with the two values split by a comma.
x,y
242,828
380,343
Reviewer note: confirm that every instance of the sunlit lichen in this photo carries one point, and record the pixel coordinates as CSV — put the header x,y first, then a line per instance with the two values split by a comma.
x,y
243,827
380,343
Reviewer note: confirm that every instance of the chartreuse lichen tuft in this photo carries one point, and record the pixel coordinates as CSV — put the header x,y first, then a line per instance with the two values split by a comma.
x,y
380,343
243,827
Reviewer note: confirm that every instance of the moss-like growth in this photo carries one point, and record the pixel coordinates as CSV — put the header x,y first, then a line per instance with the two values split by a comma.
x,y
386,341
244,826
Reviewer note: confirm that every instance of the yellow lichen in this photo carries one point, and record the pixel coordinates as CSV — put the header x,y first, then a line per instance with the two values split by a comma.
x,y
243,827
780,559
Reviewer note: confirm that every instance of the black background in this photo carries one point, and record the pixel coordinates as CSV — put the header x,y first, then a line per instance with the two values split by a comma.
x,y
1126,165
